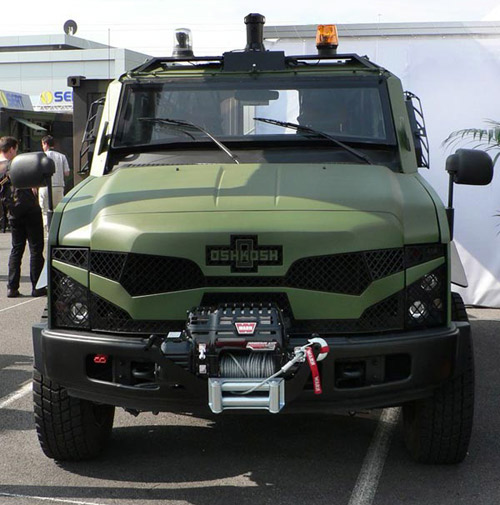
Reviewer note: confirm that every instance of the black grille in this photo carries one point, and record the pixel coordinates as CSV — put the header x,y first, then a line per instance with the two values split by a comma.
x,y
342,273
107,264
351,274
339,273
384,262
69,302
108,317
144,274
76,256
384,316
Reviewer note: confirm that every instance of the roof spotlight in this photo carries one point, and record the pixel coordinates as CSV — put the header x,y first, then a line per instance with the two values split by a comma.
x,y
183,43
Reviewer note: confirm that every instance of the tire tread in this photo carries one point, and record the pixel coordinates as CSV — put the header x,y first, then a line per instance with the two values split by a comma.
x,y
66,426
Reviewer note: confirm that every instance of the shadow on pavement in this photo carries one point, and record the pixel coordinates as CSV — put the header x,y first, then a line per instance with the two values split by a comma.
x,y
249,460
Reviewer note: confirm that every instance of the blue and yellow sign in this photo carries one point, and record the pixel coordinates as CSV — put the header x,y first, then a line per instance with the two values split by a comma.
x,y
15,100
56,97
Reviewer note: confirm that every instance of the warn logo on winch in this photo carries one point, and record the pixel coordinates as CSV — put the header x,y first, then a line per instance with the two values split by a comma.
x,y
245,328
244,254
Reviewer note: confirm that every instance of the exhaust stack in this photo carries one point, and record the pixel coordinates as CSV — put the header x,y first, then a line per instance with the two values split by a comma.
x,y
255,32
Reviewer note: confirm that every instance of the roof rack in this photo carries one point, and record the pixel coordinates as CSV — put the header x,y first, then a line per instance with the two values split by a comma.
x,y
339,59
352,59
154,63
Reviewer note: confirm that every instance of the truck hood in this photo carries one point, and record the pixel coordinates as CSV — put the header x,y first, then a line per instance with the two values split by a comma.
x,y
249,198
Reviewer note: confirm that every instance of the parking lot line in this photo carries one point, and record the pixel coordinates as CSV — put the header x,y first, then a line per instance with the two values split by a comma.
x,y
19,304
366,486
22,391
45,498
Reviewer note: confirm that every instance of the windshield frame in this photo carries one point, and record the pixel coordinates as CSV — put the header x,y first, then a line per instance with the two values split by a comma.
x,y
265,81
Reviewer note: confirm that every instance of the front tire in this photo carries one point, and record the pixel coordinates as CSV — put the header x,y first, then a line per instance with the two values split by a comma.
x,y
437,430
68,428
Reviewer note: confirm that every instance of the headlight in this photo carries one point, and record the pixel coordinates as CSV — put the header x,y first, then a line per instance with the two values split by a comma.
x,y
418,311
79,313
429,283
426,300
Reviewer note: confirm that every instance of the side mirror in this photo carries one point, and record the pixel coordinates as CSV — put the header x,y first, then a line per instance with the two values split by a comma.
x,y
31,170
469,166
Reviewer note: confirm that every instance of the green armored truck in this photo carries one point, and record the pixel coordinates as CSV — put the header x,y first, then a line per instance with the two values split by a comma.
x,y
254,235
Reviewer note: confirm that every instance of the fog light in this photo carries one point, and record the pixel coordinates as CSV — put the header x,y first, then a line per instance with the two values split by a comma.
x,y
429,282
418,310
78,313
438,304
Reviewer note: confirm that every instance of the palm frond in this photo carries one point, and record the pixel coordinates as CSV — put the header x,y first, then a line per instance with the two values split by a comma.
x,y
476,138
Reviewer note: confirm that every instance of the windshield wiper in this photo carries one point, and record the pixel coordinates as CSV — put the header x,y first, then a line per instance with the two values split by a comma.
x,y
185,126
317,133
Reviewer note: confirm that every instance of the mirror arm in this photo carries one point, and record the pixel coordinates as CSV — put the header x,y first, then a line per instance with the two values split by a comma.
x,y
450,214
450,211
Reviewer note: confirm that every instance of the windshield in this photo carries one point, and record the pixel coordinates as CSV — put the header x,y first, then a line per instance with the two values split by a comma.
x,y
352,110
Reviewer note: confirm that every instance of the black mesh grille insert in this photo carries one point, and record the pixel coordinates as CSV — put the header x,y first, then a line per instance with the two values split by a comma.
x,y
76,256
339,273
107,264
384,262
142,274
108,317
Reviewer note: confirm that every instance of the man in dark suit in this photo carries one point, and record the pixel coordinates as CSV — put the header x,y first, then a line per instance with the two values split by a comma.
x,y
25,219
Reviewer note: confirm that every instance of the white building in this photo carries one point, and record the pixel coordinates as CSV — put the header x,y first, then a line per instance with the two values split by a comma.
x,y
38,66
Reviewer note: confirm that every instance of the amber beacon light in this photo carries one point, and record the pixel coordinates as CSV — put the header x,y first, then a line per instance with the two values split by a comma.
x,y
327,40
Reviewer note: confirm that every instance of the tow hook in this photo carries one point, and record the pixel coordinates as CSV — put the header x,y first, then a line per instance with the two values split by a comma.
x,y
324,349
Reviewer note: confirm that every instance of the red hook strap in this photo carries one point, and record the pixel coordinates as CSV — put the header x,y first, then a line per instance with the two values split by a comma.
x,y
311,361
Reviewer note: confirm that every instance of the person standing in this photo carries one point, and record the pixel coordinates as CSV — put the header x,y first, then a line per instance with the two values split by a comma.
x,y
62,170
25,219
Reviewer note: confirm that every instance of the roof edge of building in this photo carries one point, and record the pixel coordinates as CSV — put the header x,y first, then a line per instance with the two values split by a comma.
x,y
389,29
15,43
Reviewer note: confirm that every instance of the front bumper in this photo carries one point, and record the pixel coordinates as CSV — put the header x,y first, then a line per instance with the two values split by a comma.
x,y
430,357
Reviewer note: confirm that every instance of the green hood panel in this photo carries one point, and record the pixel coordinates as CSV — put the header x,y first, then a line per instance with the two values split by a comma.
x,y
161,209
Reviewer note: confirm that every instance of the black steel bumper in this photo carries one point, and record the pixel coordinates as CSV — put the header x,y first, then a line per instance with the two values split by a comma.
x,y
426,359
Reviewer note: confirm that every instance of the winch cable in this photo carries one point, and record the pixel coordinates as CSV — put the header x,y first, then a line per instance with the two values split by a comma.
x,y
299,355
251,365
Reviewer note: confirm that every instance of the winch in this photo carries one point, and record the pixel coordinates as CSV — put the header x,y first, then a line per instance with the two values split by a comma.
x,y
244,354
237,342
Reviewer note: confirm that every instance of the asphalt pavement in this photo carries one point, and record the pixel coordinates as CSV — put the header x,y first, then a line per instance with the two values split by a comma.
x,y
261,459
